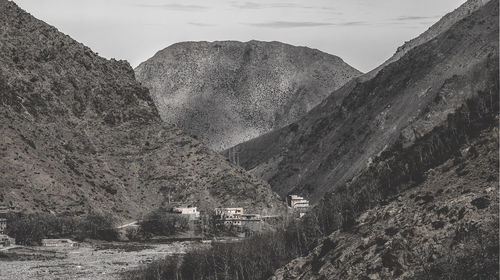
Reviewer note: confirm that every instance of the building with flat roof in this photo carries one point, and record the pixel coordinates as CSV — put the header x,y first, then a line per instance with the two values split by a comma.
x,y
191,212
230,216
3,225
297,204
295,201
59,243
6,241
229,212
249,219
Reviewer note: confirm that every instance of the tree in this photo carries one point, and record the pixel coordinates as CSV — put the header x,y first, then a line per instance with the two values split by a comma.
x,y
161,222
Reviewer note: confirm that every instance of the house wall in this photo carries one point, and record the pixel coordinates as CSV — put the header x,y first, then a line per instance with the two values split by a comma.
x,y
186,210
58,243
3,225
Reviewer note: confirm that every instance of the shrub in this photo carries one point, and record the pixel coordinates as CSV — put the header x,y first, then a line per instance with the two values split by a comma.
x,y
254,258
30,229
133,234
99,226
161,222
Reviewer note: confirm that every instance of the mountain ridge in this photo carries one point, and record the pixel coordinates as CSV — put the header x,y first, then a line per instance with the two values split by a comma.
x,y
405,99
426,207
439,27
229,91
79,133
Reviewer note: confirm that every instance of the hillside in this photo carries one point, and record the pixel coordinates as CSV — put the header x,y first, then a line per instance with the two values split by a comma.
x,y
446,227
425,208
436,29
400,104
79,133
229,92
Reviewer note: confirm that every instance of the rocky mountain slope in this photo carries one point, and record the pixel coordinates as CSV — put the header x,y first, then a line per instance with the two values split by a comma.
x,y
229,92
446,227
436,29
79,133
400,104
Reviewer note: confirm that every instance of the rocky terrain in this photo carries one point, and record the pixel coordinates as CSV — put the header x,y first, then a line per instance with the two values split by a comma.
x,y
229,92
79,133
89,261
403,102
446,227
436,29
426,207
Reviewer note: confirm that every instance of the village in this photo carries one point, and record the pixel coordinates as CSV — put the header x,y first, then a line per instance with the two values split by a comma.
x,y
232,219
96,259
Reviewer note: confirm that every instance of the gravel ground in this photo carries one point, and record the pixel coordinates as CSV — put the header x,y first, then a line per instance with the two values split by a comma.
x,y
88,262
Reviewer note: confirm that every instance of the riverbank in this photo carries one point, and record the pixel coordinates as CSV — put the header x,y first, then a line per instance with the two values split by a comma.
x,y
96,261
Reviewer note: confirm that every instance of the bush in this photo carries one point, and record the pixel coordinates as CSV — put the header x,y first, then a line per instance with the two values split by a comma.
x,y
161,222
30,229
133,234
254,258
98,226
477,257
158,269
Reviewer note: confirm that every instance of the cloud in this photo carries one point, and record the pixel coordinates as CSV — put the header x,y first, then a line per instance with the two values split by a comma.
x,y
320,8
409,18
351,23
288,24
295,24
176,7
257,6
201,24
247,5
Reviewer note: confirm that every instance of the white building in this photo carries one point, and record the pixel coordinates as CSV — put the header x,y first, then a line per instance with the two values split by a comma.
x,y
298,204
3,225
230,216
192,212
59,243
6,241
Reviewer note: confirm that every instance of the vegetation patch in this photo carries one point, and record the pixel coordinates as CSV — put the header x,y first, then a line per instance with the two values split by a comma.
x,y
30,229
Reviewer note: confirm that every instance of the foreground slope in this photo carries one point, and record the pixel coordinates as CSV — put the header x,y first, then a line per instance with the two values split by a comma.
x,y
79,133
229,92
425,209
404,100
446,227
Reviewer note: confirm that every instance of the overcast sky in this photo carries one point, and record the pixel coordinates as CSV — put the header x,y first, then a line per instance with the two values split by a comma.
x,y
362,32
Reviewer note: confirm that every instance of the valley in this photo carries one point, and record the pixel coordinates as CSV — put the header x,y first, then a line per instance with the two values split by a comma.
x,y
250,160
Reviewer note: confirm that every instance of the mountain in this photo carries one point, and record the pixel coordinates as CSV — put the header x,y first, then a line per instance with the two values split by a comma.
x,y
79,133
444,228
426,207
394,106
229,92
439,27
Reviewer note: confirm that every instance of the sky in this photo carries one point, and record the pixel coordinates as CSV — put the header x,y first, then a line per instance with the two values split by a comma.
x,y
364,33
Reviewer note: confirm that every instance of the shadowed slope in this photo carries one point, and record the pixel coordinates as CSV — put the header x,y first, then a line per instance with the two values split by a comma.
x,y
78,132
406,99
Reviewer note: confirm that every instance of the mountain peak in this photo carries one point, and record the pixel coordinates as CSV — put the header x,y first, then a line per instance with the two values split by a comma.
x,y
227,92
